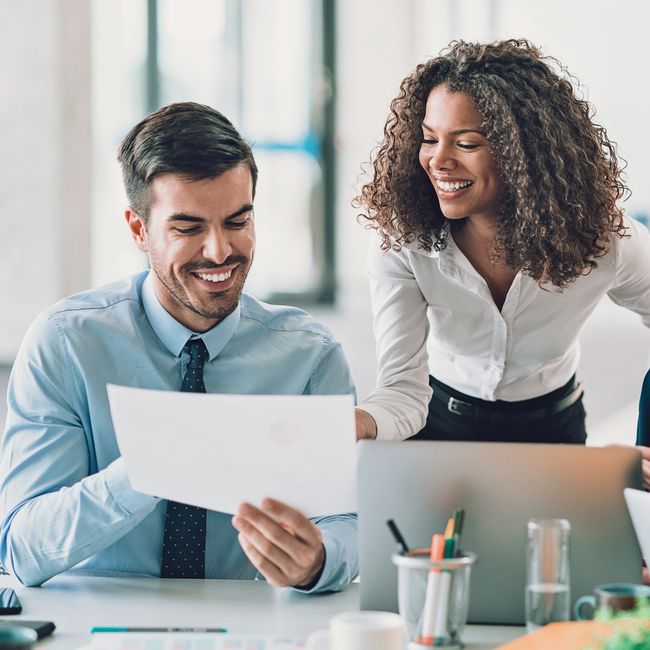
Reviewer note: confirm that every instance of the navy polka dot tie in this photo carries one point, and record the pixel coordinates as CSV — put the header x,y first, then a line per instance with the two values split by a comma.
x,y
183,553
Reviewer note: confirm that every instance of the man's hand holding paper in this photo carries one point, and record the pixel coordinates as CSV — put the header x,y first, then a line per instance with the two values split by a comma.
x,y
284,546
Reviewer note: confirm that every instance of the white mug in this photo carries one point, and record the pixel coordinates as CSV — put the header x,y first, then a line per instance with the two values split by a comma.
x,y
361,631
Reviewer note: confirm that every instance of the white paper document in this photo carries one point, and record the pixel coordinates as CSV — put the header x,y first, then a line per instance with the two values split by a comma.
x,y
189,641
215,450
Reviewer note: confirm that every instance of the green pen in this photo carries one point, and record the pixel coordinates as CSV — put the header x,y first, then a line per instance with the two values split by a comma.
x,y
459,521
450,547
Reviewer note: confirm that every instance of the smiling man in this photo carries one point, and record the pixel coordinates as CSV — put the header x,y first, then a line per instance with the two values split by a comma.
x,y
65,498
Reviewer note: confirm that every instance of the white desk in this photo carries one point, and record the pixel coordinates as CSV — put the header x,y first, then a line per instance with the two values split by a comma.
x,y
77,603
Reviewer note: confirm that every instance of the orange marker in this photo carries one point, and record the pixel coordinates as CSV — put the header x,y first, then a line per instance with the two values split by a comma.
x,y
437,549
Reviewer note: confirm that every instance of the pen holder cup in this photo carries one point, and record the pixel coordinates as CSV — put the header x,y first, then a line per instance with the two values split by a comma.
x,y
433,597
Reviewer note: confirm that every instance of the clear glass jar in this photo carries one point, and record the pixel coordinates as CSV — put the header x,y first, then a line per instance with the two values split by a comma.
x,y
433,597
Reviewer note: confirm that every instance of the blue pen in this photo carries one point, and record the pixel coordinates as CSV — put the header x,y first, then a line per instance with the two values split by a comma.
x,y
212,630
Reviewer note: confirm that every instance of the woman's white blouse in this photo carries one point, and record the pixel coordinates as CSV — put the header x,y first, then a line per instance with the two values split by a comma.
x,y
433,313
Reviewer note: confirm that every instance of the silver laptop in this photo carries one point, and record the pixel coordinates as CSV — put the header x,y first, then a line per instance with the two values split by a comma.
x,y
500,485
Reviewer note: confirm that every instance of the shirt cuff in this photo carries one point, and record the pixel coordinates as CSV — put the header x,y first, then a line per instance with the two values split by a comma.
x,y
130,500
341,560
385,421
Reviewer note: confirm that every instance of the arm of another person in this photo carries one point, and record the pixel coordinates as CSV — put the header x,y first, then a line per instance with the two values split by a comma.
x,y
288,549
631,287
398,406
643,425
643,430
632,290
54,512
645,465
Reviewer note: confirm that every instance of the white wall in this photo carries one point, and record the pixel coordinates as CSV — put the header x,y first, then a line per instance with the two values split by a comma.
x,y
118,99
44,179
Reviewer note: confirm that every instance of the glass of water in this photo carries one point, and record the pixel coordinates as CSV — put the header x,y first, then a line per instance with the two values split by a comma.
x,y
548,591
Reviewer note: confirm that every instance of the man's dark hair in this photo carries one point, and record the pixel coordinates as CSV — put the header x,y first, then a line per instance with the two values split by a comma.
x,y
186,138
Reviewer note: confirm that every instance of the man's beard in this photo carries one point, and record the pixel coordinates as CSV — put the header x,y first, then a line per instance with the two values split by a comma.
x,y
183,295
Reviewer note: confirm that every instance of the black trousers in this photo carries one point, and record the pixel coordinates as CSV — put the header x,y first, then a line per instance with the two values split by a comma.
x,y
567,426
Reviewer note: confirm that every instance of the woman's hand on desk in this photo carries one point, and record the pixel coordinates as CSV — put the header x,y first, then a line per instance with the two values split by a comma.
x,y
366,425
283,545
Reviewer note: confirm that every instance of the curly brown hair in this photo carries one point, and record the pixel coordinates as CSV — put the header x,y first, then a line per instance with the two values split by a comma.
x,y
561,176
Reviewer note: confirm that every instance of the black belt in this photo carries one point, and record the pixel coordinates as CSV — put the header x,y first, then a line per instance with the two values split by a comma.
x,y
495,411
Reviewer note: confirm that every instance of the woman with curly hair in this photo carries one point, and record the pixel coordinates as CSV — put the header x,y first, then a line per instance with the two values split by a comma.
x,y
495,196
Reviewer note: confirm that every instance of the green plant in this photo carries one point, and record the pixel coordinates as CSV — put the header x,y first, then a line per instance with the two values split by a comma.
x,y
631,629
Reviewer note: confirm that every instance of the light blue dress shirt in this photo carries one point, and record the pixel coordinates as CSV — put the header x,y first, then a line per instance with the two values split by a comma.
x,y
65,499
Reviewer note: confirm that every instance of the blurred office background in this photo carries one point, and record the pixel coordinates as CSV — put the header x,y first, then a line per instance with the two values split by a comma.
x,y
308,82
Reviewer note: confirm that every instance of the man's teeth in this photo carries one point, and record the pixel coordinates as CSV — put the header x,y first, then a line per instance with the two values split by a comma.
x,y
452,187
215,277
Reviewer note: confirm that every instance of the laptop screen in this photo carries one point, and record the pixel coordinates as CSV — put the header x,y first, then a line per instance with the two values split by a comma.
x,y
500,485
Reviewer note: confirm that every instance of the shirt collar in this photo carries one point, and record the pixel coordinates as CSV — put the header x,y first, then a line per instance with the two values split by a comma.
x,y
450,258
175,335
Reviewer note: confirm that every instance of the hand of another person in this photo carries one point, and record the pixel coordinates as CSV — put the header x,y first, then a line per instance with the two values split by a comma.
x,y
366,425
645,462
284,546
645,465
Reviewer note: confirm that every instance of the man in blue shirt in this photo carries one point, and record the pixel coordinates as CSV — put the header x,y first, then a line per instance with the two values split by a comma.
x,y
65,498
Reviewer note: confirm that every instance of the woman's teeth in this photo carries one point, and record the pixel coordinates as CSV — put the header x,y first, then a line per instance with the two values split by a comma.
x,y
452,187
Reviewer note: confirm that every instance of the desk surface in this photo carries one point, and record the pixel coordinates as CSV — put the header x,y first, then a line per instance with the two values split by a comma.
x,y
77,603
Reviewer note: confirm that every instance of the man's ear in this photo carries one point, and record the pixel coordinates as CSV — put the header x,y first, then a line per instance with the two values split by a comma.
x,y
137,228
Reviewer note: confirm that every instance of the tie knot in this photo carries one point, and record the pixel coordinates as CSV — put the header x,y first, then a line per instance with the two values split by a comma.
x,y
198,353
